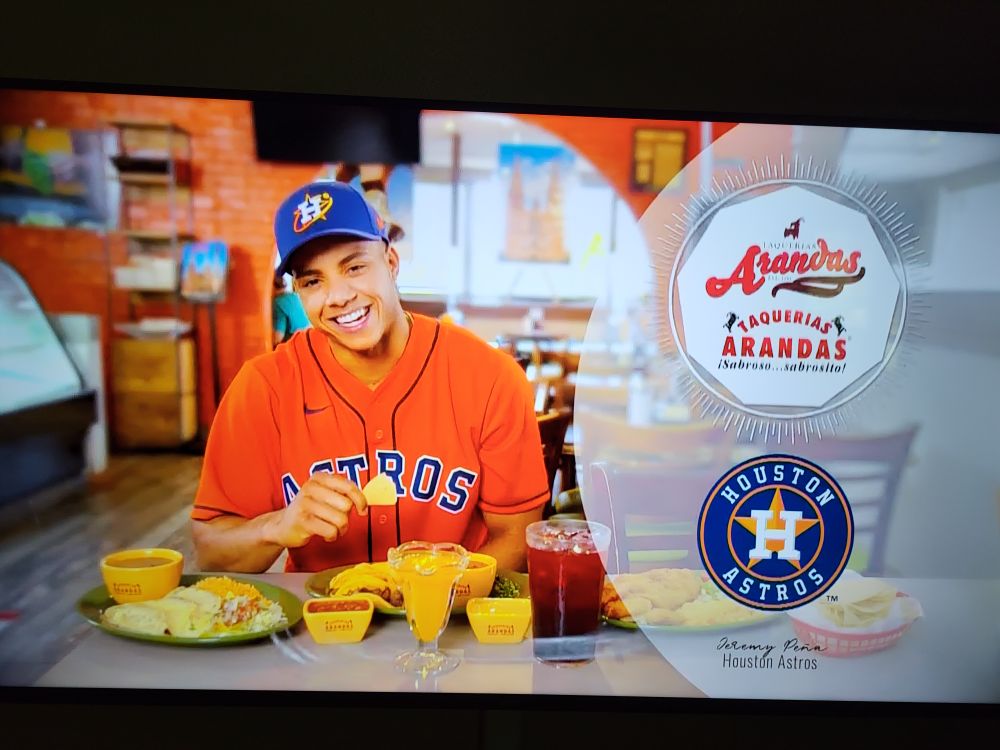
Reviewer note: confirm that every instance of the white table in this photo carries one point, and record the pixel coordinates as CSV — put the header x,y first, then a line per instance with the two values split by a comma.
x,y
951,654
626,663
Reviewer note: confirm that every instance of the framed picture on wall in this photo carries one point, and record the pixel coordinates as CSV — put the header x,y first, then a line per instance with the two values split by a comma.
x,y
204,267
535,179
657,157
53,177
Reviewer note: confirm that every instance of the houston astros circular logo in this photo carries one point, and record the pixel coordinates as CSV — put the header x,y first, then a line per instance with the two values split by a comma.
x,y
775,532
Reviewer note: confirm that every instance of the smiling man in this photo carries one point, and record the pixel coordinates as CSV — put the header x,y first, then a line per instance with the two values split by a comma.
x,y
368,390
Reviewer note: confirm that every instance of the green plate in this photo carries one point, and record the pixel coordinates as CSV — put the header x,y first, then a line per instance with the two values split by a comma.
x,y
92,605
318,583
626,625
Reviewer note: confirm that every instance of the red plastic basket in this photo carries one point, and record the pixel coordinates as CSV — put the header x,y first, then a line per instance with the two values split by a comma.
x,y
840,644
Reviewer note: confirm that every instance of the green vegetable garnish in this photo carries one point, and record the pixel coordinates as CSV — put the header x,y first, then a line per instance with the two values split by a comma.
x,y
504,588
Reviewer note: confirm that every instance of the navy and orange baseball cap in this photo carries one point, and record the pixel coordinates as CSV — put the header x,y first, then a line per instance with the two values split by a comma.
x,y
322,209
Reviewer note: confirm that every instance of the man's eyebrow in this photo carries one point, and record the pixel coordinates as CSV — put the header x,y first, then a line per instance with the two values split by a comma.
x,y
307,272
353,256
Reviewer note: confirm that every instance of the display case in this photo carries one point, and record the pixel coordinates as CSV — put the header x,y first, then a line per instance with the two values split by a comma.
x,y
45,408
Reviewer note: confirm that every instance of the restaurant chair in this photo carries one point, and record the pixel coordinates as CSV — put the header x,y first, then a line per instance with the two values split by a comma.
x,y
570,362
563,393
543,397
652,508
552,430
610,437
869,470
652,511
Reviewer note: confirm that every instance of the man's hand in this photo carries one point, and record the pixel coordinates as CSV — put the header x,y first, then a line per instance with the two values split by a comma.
x,y
322,508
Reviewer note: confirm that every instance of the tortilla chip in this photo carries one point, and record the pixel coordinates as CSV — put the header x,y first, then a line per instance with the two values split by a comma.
x,y
380,491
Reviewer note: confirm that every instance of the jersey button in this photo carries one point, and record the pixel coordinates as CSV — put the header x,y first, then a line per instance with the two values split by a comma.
x,y
379,434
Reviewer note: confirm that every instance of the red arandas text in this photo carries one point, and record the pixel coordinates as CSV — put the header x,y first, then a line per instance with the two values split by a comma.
x,y
784,347
751,272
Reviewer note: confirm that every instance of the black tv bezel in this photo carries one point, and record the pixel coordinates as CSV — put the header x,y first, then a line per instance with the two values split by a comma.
x,y
155,699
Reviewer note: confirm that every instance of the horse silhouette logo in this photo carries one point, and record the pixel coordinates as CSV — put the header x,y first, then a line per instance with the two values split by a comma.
x,y
839,323
793,229
730,320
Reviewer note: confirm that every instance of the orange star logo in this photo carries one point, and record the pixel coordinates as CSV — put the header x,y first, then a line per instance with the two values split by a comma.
x,y
775,523
311,210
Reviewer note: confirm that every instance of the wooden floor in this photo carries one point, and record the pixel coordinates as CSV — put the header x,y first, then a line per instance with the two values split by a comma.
x,y
48,558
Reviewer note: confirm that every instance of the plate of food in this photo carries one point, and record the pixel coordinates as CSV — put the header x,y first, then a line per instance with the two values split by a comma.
x,y
374,581
673,599
857,616
203,611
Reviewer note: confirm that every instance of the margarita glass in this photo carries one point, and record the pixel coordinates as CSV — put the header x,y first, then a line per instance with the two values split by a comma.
x,y
427,572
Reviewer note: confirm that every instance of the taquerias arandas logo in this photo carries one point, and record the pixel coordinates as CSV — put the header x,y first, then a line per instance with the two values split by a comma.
x,y
785,301
775,532
793,267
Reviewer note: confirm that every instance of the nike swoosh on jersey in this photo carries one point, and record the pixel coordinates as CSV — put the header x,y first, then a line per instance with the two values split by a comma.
x,y
307,410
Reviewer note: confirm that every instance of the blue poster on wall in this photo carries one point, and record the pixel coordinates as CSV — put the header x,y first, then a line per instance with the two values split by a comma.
x,y
204,266
535,178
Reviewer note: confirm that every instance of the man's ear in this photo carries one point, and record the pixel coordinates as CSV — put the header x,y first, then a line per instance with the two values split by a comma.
x,y
392,258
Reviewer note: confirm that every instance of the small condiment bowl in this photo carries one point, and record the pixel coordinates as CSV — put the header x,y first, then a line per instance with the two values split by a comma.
x,y
338,619
499,620
138,575
477,580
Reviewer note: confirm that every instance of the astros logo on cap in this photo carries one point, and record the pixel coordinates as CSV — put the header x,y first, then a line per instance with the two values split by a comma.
x,y
775,532
311,210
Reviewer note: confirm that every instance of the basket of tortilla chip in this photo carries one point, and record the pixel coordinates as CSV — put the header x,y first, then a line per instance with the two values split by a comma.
x,y
857,616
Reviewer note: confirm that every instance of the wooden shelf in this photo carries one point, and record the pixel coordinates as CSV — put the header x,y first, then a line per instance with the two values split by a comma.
x,y
144,235
142,178
133,170
148,125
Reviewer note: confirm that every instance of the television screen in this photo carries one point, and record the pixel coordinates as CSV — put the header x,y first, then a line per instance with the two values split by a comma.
x,y
309,131
699,409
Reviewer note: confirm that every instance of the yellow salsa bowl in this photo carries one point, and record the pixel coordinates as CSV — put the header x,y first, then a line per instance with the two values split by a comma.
x,y
499,620
338,619
477,580
138,575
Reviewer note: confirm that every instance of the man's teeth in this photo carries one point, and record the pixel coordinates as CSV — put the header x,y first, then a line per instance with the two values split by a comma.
x,y
352,317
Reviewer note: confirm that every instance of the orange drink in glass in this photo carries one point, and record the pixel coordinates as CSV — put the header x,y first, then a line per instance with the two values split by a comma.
x,y
426,573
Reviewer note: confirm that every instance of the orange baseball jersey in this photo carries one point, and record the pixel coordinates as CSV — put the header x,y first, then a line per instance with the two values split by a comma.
x,y
453,424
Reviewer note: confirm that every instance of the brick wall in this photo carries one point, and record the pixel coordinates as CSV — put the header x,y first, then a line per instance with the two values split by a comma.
x,y
235,197
234,200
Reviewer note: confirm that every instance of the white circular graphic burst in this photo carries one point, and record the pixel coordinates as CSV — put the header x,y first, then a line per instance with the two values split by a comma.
x,y
784,296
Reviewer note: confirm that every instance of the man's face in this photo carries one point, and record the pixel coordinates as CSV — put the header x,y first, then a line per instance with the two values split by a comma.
x,y
348,289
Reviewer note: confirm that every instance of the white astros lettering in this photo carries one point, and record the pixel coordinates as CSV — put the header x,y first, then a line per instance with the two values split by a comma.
x,y
427,481
776,473
762,591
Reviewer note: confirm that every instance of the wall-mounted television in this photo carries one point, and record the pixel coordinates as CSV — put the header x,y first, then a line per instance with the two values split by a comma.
x,y
305,131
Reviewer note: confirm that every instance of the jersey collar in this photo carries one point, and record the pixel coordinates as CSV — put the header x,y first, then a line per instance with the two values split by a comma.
x,y
400,380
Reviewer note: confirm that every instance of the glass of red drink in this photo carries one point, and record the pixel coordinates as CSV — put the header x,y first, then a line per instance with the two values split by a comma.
x,y
566,575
